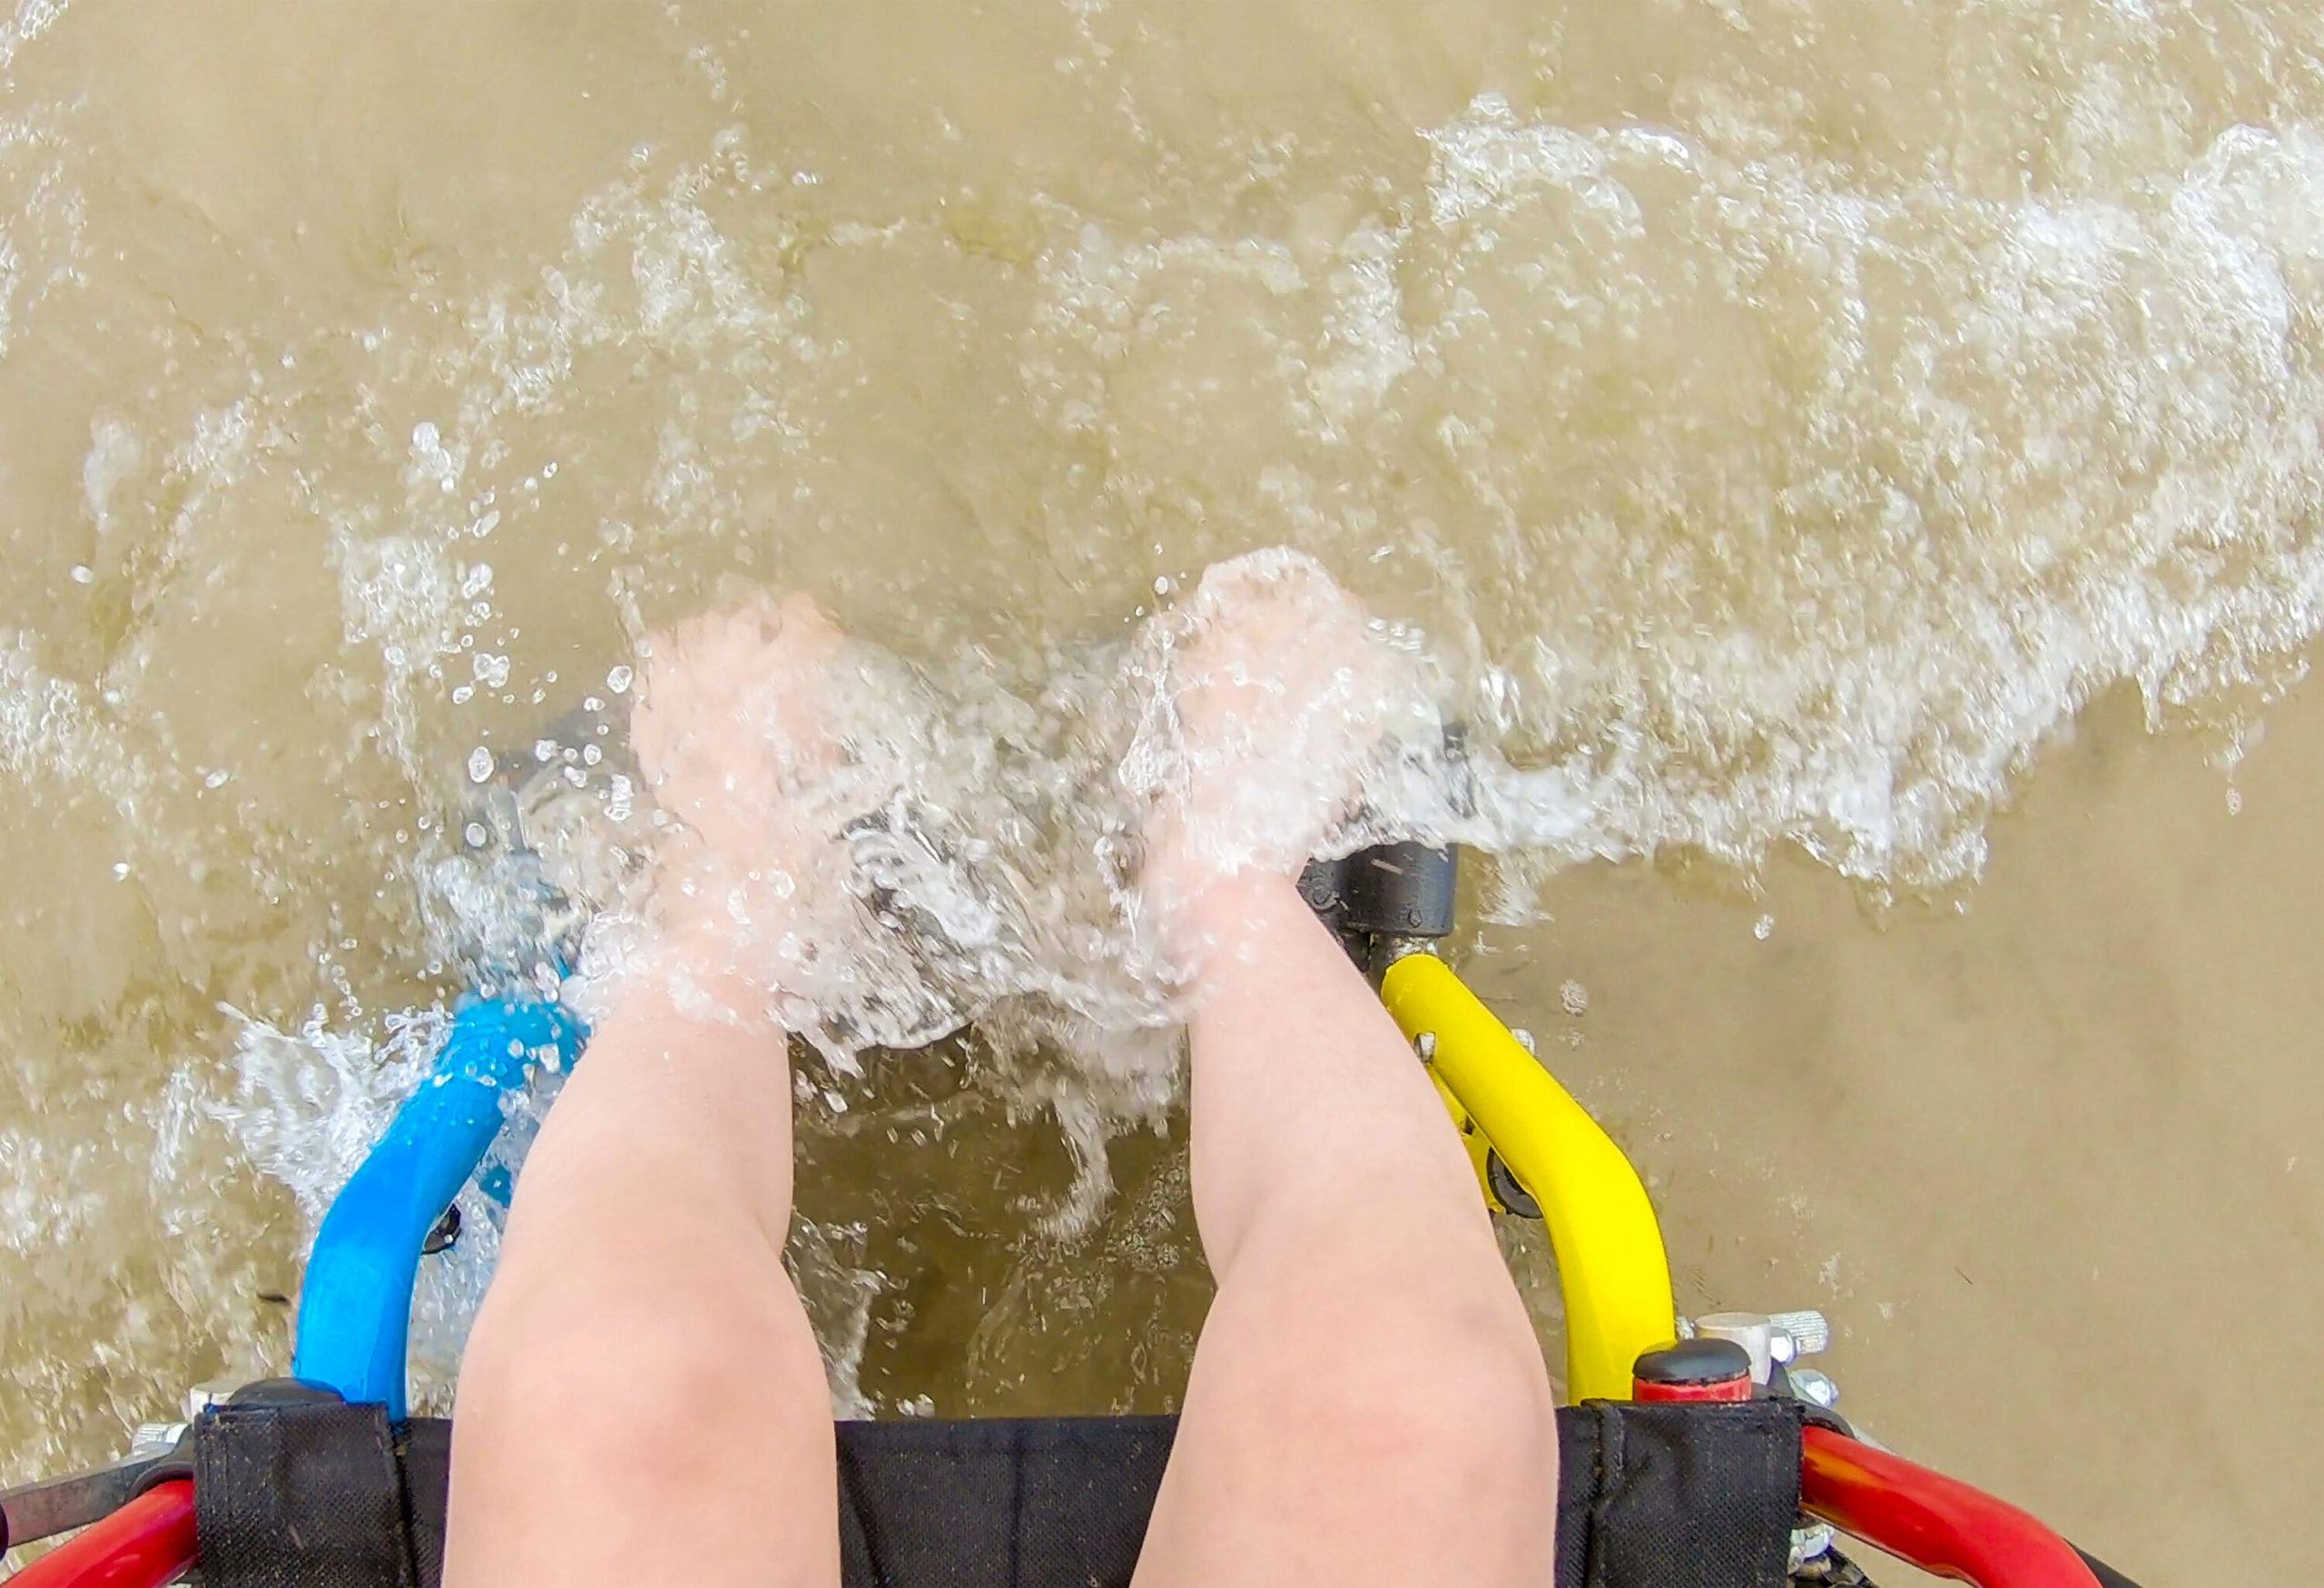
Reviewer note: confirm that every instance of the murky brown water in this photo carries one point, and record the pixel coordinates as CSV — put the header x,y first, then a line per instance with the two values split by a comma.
x,y
1785,421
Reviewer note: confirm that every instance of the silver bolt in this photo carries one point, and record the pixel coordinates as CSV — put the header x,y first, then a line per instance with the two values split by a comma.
x,y
1812,1385
1810,1333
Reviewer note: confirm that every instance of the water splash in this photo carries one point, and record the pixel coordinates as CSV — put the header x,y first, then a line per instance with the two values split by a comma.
x,y
1739,479
2031,449
306,1107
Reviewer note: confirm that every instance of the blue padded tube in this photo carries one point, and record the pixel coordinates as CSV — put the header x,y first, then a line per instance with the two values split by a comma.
x,y
355,1306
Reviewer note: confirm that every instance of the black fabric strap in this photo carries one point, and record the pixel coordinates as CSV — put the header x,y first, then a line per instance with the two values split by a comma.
x,y
302,1497
426,1463
1648,1497
1680,1496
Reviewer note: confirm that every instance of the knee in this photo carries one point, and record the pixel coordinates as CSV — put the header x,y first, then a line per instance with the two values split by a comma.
x,y
597,1425
675,1383
1450,1389
1464,1396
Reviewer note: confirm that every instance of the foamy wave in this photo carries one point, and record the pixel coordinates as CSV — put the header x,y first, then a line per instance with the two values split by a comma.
x,y
1993,459
1816,506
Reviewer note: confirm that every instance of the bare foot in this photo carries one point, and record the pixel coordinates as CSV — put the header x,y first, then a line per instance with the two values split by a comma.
x,y
733,738
1271,692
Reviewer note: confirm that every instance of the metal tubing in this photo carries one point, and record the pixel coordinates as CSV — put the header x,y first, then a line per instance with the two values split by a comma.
x,y
1938,1524
355,1307
1611,1265
147,1543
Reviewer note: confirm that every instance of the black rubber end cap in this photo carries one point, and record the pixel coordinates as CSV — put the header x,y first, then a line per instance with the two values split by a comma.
x,y
1694,1363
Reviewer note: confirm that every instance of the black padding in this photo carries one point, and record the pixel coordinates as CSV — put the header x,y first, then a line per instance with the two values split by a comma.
x,y
427,1478
1668,1496
301,1497
1678,1497
997,1504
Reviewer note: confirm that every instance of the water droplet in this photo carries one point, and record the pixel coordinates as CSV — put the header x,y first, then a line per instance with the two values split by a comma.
x,y
120,870
618,680
83,573
1764,928
1574,998
475,833
480,764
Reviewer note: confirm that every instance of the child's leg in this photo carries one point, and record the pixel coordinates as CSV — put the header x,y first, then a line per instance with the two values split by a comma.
x,y
641,1399
1368,1404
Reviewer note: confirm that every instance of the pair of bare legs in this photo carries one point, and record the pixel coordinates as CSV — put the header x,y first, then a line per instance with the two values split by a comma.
x,y
641,1398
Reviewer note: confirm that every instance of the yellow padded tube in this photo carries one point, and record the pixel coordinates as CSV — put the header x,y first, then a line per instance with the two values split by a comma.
x,y
1611,1262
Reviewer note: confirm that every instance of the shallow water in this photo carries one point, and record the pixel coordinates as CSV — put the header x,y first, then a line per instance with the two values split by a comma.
x,y
1782,421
